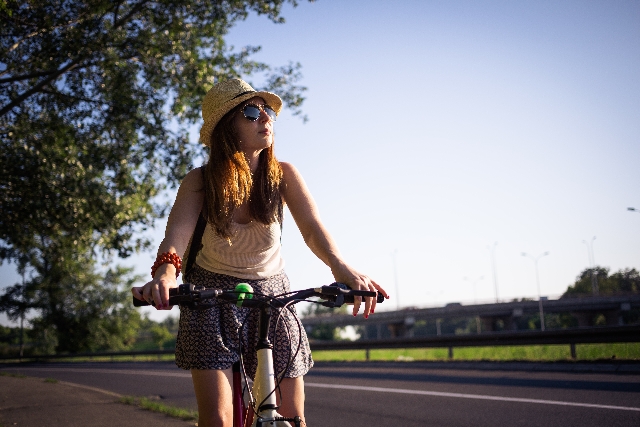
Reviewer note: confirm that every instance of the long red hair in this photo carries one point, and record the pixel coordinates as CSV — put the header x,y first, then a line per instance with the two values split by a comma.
x,y
229,183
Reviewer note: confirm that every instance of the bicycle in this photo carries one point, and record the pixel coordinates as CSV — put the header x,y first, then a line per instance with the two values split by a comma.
x,y
261,410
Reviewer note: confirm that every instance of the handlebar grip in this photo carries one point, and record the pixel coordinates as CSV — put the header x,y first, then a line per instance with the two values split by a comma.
x,y
348,299
337,288
139,303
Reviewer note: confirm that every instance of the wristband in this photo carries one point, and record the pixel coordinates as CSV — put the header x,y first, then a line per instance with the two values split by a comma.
x,y
167,258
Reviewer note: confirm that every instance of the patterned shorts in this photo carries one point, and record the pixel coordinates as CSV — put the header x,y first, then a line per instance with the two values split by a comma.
x,y
212,338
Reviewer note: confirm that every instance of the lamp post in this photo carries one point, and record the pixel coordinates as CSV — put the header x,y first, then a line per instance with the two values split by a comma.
x,y
592,261
535,261
492,251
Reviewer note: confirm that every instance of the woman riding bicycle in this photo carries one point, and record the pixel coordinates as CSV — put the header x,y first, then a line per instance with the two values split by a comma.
x,y
241,192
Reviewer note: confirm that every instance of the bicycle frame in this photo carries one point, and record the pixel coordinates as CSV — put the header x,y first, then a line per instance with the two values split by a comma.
x,y
239,408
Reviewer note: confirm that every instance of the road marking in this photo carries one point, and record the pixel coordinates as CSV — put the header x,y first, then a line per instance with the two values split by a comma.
x,y
86,387
468,396
355,387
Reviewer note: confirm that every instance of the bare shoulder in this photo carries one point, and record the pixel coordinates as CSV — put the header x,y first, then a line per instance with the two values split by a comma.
x,y
288,168
293,183
193,180
290,173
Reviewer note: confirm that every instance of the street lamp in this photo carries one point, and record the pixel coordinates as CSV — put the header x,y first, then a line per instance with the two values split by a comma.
x,y
492,251
592,261
535,261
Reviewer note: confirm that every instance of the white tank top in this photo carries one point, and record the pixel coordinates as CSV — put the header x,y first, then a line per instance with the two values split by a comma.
x,y
252,252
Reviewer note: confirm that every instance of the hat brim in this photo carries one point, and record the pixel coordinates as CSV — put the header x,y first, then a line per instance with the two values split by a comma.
x,y
210,122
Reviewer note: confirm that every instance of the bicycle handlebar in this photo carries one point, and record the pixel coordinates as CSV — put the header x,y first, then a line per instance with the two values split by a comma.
x,y
197,297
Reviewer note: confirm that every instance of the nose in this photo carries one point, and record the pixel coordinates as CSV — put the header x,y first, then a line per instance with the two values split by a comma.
x,y
264,117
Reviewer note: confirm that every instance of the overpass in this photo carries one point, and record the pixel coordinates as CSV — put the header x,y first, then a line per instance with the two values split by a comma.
x,y
401,322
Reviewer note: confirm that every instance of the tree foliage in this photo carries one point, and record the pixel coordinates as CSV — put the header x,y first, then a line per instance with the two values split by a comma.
x,y
95,100
625,281
95,97
79,309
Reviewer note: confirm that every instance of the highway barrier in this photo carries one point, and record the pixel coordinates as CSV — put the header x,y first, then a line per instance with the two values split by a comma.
x,y
571,337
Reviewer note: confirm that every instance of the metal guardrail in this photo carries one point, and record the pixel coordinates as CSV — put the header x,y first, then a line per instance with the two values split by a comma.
x,y
491,339
615,334
571,337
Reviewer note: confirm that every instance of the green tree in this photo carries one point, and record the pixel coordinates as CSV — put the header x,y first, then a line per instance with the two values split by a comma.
x,y
95,100
160,335
625,281
79,309
95,97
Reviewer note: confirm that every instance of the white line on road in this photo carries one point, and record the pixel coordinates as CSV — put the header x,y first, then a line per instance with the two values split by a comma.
x,y
468,396
354,387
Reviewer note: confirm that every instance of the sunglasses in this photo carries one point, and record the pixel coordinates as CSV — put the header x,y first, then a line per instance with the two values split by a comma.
x,y
252,112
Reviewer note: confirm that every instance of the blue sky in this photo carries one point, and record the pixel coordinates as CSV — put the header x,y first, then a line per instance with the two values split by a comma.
x,y
439,128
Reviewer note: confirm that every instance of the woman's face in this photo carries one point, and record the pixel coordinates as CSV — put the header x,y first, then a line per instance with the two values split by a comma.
x,y
255,135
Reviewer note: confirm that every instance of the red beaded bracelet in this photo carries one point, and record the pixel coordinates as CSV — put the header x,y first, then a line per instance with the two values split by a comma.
x,y
167,258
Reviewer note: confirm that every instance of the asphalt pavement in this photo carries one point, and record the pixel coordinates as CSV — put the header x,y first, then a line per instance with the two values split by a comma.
x,y
37,402
353,394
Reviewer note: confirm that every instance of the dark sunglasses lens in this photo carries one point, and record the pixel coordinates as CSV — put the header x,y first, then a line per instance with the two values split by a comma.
x,y
270,113
251,112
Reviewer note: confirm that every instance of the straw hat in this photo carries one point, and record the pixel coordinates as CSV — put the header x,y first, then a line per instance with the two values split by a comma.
x,y
223,97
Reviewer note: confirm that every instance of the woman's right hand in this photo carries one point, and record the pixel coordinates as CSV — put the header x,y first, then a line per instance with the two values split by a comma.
x,y
157,290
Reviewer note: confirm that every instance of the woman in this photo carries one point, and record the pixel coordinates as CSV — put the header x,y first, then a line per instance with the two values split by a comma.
x,y
241,192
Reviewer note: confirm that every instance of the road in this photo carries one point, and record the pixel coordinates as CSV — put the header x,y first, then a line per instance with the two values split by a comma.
x,y
400,394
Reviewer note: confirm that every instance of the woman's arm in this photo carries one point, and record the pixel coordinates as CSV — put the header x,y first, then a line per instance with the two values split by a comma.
x,y
180,225
305,213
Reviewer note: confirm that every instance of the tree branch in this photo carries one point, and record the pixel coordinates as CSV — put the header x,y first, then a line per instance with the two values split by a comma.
x,y
27,76
10,106
42,31
132,12
79,98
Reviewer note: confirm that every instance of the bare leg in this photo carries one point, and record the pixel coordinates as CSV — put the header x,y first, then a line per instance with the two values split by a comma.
x,y
292,397
213,390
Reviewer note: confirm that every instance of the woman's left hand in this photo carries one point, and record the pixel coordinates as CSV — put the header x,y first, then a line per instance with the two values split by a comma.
x,y
355,280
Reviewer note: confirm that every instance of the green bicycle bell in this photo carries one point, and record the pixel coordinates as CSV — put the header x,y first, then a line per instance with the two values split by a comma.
x,y
245,291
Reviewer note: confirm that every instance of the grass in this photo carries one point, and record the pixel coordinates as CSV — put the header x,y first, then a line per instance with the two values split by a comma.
x,y
150,358
539,353
154,406
9,374
50,380
534,353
